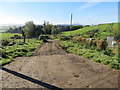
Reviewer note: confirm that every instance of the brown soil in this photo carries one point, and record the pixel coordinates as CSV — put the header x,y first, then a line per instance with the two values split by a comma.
x,y
52,67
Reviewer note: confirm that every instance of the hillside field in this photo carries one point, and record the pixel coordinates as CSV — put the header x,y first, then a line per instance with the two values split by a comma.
x,y
99,31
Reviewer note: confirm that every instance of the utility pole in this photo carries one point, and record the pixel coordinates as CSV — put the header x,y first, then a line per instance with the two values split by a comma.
x,y
70,24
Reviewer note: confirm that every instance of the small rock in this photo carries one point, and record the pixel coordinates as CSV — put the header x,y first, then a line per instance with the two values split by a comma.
x,y
76,76
87,86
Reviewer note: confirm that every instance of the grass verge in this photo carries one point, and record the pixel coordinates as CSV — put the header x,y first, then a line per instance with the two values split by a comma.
x,y
105,57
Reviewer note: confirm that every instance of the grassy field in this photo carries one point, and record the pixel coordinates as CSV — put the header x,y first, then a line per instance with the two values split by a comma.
x,y
102,32
12,49
7,35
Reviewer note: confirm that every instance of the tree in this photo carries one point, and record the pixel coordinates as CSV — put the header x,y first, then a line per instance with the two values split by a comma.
x,y
54,30
38,30
23,33
29,29
47,27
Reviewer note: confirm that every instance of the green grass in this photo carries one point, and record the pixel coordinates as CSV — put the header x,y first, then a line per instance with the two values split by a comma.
x,y
18,49
102,33
93,54
7,35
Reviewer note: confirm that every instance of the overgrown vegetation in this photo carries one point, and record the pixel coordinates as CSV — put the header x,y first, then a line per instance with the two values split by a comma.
x,y
107,57
76,43
11,50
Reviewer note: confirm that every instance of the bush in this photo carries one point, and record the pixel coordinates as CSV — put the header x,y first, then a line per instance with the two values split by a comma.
x,y
106,62
21,50
88,55
31,49
115,65
43,37
5,61
108,52
11,43
64,38
98,60
4,54
21,43
67,44
5,42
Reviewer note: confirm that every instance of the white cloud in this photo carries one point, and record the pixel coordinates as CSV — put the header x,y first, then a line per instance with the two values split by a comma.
x,y
88,4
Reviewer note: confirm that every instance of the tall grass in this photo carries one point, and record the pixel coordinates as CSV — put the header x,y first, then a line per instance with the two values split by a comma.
x,y
17,48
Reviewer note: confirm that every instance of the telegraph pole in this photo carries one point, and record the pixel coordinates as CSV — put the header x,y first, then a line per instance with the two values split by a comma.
x,y
70,24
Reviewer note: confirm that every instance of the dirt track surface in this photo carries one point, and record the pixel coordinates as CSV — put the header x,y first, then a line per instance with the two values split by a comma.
x,y
52,67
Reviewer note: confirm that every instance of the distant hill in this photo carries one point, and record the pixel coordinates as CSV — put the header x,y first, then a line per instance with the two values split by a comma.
x,y
4,27
96,31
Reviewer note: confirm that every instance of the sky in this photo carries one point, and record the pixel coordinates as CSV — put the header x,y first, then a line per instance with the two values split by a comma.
x,y
58,12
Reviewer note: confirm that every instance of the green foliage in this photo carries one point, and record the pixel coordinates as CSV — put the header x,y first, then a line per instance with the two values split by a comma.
x,y
19,49
97,60
47,27
107,57
5,42
106,62
14,29
64,37
54,30
69,44
108,52
7,35
29,29
43,38
115,65
89,55
98,31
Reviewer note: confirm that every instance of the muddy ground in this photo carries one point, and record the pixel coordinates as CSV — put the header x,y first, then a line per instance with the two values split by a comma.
x,y
51,67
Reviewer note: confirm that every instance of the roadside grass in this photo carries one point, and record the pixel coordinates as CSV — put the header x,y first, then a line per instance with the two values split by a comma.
x,y
105,57
18,49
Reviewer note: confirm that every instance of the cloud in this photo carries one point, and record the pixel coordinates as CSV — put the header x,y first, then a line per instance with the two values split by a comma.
x,y
88,4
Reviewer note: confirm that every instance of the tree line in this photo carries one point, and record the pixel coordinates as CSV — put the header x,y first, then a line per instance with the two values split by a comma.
x,y
31,30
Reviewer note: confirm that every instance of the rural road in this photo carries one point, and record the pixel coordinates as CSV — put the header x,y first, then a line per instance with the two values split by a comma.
x,y
51,67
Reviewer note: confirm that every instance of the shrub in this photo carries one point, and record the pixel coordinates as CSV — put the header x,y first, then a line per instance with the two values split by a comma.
x,y
31,49
108,52
4,54
64,38
115,65
106,62
97,60
43,38
21,50
5,42
88,55
11,43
